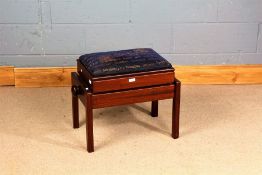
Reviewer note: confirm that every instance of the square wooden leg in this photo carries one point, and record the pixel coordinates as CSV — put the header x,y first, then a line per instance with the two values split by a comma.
x,y
154,108
176,110
89,124
75,110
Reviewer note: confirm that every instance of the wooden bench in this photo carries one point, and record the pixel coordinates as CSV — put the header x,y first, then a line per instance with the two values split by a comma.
x,y
123,77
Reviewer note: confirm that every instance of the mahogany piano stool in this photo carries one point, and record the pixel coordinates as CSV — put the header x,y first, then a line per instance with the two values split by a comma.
x,y
123,77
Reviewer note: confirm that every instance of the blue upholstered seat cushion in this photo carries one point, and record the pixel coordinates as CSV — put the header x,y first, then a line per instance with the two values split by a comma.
x,y
123,62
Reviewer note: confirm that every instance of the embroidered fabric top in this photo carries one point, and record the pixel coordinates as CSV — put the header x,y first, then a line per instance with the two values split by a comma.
x,y
123,62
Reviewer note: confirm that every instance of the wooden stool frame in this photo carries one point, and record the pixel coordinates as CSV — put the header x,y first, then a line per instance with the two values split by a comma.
x,y
81,90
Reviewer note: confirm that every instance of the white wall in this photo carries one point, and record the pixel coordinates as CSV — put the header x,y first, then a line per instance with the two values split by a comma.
x,y
56,32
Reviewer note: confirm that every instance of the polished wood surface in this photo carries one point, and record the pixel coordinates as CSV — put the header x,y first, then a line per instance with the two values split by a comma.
x,y
81,85
154,108
7,77
75,107
133,96
89,123
130,82
176,109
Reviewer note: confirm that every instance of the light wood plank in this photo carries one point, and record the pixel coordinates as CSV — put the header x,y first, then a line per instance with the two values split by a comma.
x,y
67,75
43,77
7,77
206,74
220,74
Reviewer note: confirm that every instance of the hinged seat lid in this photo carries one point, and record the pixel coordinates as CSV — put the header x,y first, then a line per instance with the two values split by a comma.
x,y
123,62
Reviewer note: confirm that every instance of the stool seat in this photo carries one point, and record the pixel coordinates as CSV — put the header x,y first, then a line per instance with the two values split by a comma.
x,y
123,62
